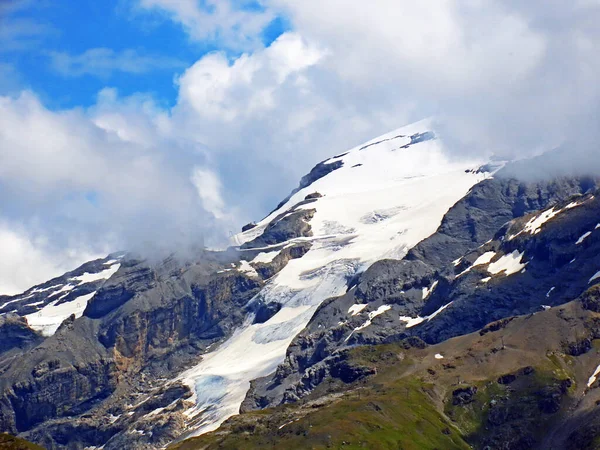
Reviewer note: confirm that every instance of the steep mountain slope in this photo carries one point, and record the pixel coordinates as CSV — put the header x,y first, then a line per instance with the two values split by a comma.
x,y
391,242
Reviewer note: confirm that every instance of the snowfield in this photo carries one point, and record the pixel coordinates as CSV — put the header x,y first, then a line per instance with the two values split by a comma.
x,y
390,194
48,319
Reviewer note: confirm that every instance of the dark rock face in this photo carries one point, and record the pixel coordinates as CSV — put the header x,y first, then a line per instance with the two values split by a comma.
x,y
464,396
268,270
15,334
133,278
248,226
313,196
591,299
264,311
292,225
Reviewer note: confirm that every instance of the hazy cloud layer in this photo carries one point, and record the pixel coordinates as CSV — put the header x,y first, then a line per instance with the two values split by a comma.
x,y
104,61
505,77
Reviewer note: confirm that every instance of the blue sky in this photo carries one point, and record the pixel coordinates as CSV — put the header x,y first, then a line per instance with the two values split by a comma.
x,y
41,32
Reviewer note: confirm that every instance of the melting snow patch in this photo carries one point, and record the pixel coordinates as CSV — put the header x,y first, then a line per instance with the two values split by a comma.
x,y
534,226
597,227
245,267
288,423
48,319
550,292
583,238
36,290
456,262
486,279
595,277
66,288
265,257
103,275
509,264
438,356
482,260
413,321
546,307
356,309
592,379
372,315
427,291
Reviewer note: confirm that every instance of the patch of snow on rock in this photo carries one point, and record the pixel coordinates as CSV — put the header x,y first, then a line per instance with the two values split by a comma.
x,y
413,321
592,379
48,319
427,291
356,309
265,257
246,268
102,275
583,238
509,264
482,260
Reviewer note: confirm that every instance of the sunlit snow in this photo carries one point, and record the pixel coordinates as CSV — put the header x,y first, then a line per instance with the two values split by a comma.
x,y
48,319
583,238
265,257
509,264
482,260
102,275
356,309
427,291
592,379
413,321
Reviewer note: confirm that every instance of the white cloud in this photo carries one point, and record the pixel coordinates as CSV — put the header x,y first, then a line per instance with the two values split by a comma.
x,y
105,61
506,75
209,190
231,23
28,259
93,187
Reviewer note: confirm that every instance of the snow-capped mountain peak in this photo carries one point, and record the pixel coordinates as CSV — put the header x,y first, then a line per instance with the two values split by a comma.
x,y
375,201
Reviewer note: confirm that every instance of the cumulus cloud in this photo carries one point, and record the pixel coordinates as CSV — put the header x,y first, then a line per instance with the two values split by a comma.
x,y
504,76
94,183
105,61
